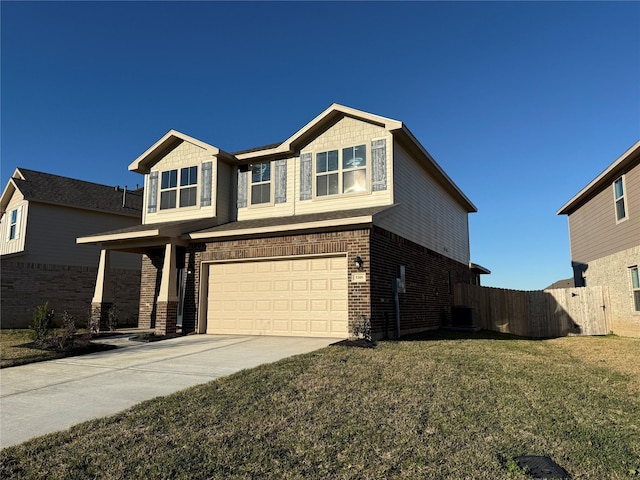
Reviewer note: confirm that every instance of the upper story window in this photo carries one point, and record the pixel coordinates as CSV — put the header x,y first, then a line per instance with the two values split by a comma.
x,y
13,224
168,189
635,287
188,186
260,183
620,199
347,174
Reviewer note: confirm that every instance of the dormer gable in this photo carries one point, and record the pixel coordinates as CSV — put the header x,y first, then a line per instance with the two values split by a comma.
x,y
183,177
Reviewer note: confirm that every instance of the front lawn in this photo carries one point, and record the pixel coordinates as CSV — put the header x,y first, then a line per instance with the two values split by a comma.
x,y
442,406
16,348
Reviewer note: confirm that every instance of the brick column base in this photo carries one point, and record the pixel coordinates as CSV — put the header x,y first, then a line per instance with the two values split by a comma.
x,y
100,316
166,318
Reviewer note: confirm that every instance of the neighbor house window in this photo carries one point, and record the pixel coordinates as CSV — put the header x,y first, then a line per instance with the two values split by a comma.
x,y
13,225
168,189
260,183
188,186
635,287
619,197
341,175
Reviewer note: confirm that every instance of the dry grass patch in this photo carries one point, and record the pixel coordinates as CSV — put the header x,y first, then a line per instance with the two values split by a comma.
x,y
17,348
436,407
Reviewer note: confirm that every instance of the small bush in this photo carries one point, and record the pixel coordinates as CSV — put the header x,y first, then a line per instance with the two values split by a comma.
x,y
42,324
362,329
65,338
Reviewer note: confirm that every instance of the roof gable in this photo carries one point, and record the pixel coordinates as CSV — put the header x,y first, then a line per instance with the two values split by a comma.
x,y
317,125
69,192
167,143
623,163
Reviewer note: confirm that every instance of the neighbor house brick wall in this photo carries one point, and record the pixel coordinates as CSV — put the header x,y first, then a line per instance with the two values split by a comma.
x,y
614,271
351,242
70,288
429,280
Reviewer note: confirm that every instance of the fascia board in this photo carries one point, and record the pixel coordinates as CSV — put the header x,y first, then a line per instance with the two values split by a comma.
x,y
117,236
138,165
288,145
368,219
599,181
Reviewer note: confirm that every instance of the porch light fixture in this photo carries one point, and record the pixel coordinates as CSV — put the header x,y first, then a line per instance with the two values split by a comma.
x,y
359,263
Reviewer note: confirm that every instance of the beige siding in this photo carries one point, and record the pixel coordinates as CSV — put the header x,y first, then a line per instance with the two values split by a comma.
x,y
426,214
347,132
16,245
52,232
224,191
184,155
593,229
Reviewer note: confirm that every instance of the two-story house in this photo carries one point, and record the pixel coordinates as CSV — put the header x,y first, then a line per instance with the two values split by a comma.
x,y
305,237
604,233
40,217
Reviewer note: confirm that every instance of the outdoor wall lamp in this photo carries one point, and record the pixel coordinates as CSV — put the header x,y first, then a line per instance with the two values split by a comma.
x,y
359,263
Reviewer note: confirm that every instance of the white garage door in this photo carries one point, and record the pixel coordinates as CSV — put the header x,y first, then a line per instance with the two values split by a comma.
x,y
304,297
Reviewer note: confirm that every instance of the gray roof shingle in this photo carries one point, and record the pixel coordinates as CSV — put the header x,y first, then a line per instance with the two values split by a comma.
x,y
70,192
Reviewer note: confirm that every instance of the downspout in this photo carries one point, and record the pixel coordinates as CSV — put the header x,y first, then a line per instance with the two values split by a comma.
x,y
396,301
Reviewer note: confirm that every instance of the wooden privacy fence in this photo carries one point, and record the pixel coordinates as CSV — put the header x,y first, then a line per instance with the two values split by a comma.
x,y
538,314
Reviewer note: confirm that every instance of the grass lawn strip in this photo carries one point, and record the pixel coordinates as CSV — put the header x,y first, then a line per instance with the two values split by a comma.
x,y
441,407
16,348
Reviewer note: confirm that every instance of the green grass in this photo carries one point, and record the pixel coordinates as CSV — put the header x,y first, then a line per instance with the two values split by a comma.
x,y
442,406
14,350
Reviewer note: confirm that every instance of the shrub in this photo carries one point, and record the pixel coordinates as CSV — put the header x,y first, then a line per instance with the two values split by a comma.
x,y
42,324
65,339
362,329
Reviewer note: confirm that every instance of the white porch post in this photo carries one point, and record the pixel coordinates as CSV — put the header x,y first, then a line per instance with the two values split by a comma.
x,y
167,302
168,285
102,292
102,296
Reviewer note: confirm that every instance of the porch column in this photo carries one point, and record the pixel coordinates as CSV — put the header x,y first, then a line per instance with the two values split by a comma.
x,y
167,302
102,297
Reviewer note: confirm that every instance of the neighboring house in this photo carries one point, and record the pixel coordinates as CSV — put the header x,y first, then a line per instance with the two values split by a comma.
x,y
304,237
40,217
604,231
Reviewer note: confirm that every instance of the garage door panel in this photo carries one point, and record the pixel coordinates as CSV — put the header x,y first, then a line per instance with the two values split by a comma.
x,y
302,296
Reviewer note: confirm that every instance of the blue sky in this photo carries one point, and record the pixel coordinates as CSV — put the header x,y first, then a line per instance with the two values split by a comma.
x,y
521,103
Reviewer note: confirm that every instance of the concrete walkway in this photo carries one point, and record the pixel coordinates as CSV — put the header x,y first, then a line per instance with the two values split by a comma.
x,y
46,397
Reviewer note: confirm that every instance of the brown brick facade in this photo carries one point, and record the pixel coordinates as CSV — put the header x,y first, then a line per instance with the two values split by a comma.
x,y
70,288
429,276
429,280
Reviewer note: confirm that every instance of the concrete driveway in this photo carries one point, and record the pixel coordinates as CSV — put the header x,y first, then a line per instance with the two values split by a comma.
x,y
50,396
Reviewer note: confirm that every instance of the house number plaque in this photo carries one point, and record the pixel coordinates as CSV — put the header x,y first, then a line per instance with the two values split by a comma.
x,y
359,277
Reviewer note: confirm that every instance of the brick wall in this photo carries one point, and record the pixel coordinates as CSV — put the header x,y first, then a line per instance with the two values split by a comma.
x,y
429,276
429,280
353,242
150,287
613,271
24,286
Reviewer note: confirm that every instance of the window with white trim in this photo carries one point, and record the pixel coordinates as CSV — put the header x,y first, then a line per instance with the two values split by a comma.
x,y
13,224
620,199
188,186
260,183
341,171
635,287
168,189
